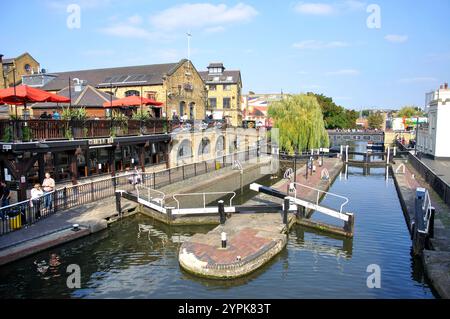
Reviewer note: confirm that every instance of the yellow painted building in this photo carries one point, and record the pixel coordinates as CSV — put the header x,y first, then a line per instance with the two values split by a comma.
x,y
13,69
224,93
178,85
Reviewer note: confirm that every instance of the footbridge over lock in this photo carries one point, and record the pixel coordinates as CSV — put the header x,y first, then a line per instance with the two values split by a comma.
x,y
202,145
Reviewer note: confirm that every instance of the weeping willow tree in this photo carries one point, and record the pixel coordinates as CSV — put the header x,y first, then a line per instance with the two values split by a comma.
x,y
300,122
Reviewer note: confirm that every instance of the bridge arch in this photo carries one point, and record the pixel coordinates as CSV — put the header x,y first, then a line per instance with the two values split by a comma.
x,y
219,149
184,150
204,147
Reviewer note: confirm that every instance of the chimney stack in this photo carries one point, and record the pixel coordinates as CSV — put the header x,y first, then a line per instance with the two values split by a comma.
x,y
446,86
1,58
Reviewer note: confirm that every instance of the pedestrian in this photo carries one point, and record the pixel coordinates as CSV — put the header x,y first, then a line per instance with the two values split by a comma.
x,y
49,186
56,115
36,195
44,115
5,195
137,179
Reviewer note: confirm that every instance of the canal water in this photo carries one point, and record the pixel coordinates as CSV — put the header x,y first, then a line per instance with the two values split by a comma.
x,y
125,263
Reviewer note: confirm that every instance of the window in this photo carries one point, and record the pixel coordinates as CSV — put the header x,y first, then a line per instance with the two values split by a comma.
x,y
212,87
227,87
216,79
213,103
151,95
229,78
27,68
131,93
226,103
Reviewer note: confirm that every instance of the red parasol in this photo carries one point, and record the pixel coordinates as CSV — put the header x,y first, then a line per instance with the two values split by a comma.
x,y
132,100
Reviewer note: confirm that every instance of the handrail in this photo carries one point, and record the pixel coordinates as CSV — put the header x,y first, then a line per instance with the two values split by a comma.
x,y
288,173
26,201
427,207
325,174
149,190
346,200
402,165
204,197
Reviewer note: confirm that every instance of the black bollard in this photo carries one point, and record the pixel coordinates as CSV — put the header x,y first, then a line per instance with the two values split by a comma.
x,y
118,202
431,225
286,210
222,212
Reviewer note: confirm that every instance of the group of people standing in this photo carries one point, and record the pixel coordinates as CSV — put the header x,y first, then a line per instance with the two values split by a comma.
x,y
39,191
55,115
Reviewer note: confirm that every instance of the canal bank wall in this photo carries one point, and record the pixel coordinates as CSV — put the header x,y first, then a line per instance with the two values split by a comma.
x,y
436,258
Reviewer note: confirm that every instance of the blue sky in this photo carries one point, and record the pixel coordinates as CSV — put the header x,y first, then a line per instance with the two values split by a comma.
x,y
294,46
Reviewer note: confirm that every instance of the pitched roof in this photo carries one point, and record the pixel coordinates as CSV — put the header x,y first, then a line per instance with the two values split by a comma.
x,y
223,77
121,76
87,97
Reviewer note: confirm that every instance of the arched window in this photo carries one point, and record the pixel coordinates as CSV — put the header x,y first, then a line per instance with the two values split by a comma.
x,y
132,92
204,146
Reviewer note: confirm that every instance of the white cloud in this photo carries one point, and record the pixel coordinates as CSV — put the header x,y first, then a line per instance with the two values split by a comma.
x,y
424,79
202,15
317,45
350,72
396,38
314,8
327,9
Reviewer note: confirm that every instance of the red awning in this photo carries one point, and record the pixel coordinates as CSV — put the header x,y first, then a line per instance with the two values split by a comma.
x,y
24,94
132,100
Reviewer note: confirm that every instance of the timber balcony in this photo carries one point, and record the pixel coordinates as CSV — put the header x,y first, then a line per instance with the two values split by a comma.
x,y
16,131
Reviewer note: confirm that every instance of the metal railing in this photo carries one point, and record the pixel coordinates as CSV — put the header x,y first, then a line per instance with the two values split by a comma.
x,y
319,192
90,192
46,129
203,195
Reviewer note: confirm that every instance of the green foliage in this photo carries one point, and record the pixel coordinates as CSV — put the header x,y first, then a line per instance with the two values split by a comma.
x,y
300,123
14,117
8,134
335,116
375,120
140,116
26,134
120,122
410,111
74,114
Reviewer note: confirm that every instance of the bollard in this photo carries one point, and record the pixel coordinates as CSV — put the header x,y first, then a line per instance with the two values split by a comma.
x,y
431,223
118,202
224,239
169,213
286,210
350,224
222,212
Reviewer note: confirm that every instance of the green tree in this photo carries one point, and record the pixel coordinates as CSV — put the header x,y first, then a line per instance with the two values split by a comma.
x,y
375,120
410,111
300,122
335,116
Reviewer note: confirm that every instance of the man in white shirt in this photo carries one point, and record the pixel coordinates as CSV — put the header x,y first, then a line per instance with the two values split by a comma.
x,y
49,186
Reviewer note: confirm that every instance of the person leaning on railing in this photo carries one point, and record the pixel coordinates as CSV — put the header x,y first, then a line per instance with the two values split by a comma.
x,y
35,201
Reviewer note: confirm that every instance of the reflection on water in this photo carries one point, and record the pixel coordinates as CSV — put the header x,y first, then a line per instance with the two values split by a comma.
x,y
137,258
